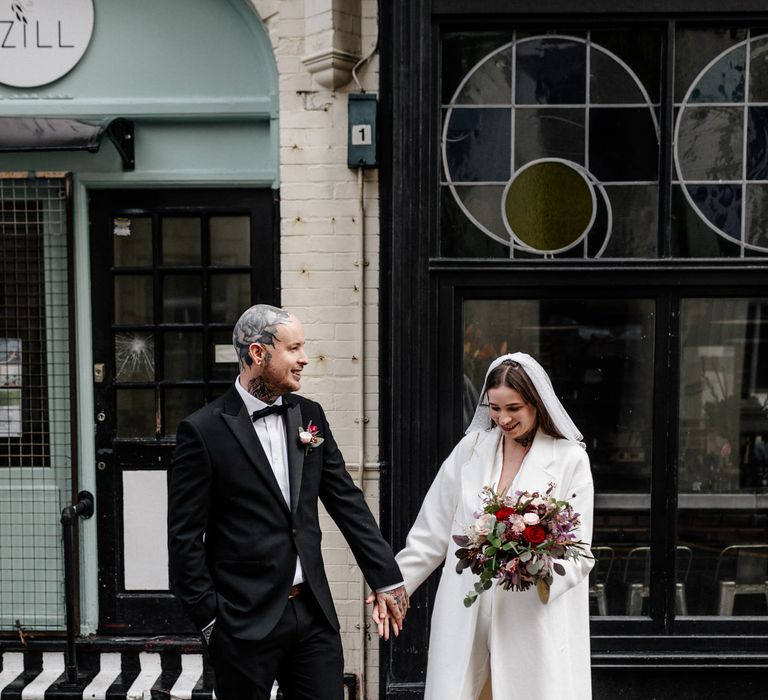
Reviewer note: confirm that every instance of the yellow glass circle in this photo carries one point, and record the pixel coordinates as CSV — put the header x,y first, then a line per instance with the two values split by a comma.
x,y
549,206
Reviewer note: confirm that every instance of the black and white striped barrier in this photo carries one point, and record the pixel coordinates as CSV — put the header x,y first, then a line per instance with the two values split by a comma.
x,y
107,676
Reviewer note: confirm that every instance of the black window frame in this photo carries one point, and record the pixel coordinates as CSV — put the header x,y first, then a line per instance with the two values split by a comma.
x,y
667,288
420,408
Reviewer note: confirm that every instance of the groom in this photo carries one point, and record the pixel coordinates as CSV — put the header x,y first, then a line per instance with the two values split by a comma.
x,y
244,537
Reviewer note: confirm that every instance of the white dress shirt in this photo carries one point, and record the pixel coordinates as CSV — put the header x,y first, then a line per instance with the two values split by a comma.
x,y
271,433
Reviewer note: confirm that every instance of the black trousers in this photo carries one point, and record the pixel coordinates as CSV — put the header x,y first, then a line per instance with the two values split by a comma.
x,y
303,653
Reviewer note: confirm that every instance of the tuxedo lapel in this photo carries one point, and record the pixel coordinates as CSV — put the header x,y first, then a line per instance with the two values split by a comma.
x,y
239,422
293,423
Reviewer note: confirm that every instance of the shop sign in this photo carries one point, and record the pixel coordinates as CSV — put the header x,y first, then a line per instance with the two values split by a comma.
x,y
42,40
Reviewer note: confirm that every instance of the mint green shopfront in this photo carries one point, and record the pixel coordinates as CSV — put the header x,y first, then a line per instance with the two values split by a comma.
x,y
138,215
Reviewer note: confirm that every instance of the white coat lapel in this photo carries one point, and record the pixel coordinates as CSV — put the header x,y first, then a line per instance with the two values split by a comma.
x,y
539,468
477,471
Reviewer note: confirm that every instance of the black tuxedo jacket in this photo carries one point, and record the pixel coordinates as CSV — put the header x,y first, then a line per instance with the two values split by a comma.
x,y
232,538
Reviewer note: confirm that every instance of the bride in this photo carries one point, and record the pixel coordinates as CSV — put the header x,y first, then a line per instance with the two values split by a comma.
x,y
520,438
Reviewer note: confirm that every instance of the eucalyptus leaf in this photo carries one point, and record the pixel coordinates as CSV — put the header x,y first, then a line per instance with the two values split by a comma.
x,y
535,566
559,568
461,540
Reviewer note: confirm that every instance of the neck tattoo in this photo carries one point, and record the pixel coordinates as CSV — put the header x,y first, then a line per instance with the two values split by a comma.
x,y
259,388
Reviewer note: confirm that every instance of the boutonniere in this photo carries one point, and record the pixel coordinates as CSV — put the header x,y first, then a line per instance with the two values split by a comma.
x,y
309,437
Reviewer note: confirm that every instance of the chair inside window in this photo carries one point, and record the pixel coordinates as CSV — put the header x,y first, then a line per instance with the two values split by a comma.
x,y
742,569
637,576
598,577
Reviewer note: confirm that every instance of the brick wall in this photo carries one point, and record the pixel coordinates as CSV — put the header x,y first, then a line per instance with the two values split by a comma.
x,y
320,258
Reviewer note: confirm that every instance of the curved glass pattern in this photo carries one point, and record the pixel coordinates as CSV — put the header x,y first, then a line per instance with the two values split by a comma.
x,y
545,140
591,102
535,219
721,145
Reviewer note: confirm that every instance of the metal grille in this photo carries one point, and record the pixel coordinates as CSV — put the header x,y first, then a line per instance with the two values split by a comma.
x,y
35,414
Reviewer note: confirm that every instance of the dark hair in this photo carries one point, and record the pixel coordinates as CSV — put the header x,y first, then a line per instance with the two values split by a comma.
x,y
511,374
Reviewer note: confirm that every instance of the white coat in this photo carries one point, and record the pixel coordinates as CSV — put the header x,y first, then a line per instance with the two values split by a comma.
x,y
535,650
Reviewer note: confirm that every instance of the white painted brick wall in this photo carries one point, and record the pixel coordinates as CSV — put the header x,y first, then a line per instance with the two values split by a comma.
x,y
320,249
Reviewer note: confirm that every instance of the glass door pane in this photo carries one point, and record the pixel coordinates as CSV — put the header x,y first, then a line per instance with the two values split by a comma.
x,y
599,355
723,457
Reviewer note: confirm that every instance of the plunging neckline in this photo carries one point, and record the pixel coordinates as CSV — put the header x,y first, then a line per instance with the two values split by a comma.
x,y
498,466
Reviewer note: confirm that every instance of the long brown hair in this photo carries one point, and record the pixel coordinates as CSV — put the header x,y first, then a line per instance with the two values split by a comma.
x,y
511,374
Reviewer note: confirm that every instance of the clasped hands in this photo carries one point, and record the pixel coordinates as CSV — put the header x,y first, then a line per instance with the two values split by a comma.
x,y
389,610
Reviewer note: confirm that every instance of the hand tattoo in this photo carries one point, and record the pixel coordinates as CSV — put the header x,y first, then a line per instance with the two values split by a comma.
x,y
397,598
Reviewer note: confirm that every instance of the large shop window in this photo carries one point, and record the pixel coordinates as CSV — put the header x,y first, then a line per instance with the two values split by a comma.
x,y
600,355
551,144
565,155
723,456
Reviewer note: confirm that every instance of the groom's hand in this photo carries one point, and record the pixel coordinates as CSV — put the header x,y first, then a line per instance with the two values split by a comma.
x,y
390,608
396,602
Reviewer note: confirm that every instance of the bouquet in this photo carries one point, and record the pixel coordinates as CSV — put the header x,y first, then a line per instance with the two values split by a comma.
x,y
517,540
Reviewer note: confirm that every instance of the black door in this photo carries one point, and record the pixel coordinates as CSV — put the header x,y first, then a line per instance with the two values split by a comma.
x,y
171,271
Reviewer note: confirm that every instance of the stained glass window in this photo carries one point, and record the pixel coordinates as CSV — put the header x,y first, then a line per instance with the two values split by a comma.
x,y
550,145
721,146
550,148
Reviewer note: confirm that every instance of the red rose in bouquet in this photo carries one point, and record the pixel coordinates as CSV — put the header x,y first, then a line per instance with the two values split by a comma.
x,y
535,534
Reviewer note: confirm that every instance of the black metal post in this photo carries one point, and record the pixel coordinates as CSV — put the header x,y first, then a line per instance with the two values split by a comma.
x,y
84,509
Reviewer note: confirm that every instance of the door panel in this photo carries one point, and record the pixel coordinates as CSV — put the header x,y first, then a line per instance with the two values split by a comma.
x,y
37,455
171,272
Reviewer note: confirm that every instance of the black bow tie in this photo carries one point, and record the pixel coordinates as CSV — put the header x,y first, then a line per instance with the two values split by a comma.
x,y
280,409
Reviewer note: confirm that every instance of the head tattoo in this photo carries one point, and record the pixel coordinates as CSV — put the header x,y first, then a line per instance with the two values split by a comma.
x,y
258,324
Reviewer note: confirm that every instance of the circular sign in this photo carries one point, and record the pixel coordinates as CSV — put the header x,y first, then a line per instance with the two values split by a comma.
x,y
42,40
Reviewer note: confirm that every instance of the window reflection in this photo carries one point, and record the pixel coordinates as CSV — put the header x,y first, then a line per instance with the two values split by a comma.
x,y
179,403
181,240
599,354
723,460
133,299
133,241
229,295
182,299
136,413
183,357
230,240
